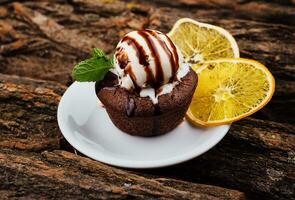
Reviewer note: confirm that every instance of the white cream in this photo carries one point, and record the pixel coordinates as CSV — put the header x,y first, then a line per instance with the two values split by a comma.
x,y
165,89
126,82
182,71
128,51
149,92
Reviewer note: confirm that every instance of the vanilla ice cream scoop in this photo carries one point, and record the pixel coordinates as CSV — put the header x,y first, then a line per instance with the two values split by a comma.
x,y
147,59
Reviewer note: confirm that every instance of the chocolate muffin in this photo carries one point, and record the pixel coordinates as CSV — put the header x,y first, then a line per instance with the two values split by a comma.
x,y
137,115
150,86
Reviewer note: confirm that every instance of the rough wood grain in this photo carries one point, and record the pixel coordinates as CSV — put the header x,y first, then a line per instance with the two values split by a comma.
x,y
44,39
275,11
256,156
63,175
28,113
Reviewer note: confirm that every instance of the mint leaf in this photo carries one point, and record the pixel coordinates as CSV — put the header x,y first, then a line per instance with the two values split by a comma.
x,y
92,69
97,53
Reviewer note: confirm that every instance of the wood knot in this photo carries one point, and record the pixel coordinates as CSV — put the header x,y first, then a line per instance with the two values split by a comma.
x,y
275,175
272,139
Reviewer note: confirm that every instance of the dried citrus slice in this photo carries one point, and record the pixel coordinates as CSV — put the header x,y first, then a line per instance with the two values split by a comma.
x,y
202,42
228,90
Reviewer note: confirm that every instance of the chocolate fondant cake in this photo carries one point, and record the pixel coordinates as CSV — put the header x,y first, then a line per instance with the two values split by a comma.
x,y
138,115
150,87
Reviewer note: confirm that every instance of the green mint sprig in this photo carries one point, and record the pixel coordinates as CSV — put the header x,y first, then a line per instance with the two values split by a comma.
x,y
94,68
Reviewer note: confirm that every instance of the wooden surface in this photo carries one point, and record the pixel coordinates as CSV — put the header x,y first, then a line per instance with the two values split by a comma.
x,y
40,41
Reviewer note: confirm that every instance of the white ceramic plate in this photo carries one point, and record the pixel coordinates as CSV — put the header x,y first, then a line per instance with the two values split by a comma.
x,y
88,128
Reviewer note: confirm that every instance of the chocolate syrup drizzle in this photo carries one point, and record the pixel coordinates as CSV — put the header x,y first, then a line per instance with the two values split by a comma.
x,y
157,79
176,59
142,57
159,76
173,58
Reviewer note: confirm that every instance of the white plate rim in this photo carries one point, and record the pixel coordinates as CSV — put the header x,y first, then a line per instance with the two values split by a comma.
x,y
124,162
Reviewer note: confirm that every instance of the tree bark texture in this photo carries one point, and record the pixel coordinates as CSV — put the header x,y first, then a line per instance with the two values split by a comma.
x,y
63,175
40,41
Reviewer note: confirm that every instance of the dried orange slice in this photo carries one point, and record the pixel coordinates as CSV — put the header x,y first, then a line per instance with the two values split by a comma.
x,y
200,42
229,90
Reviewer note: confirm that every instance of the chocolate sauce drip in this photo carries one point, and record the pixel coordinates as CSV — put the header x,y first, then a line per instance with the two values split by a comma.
x,y
149,75
171,55
159,76
157,109
176,59
140,53
142,57
159,90
123,57
130,107
128,70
